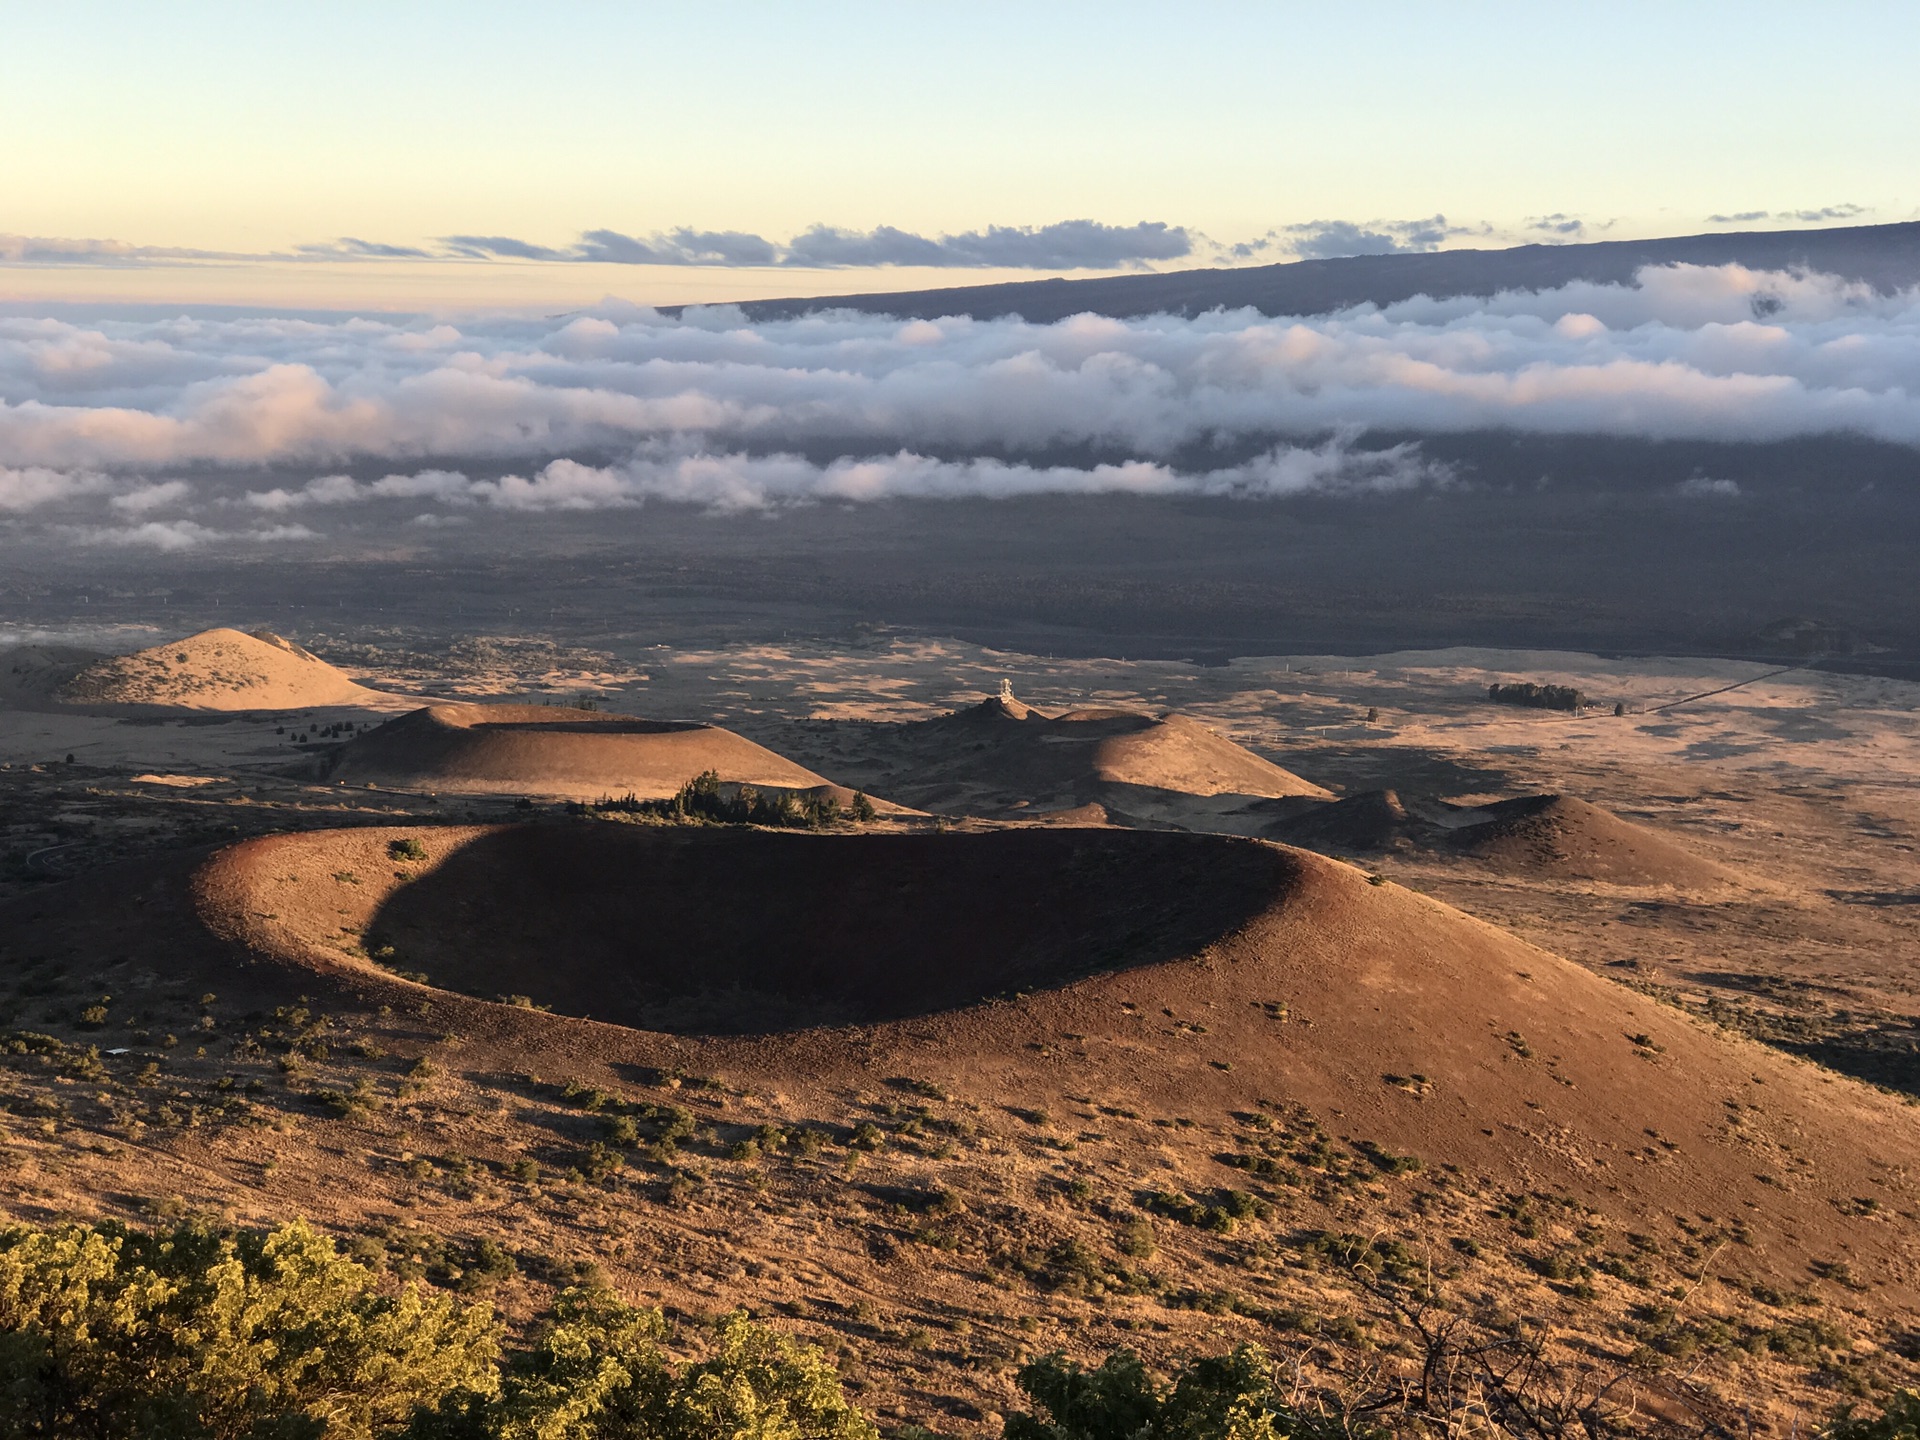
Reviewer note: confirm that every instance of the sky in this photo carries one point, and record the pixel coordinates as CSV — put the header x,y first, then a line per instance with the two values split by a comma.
x,y
453,157
298,277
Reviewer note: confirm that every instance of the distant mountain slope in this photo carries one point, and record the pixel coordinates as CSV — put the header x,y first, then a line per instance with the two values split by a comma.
x,y
1885,256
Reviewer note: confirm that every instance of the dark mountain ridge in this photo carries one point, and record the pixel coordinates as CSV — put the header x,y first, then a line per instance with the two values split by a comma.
x,y
1884,256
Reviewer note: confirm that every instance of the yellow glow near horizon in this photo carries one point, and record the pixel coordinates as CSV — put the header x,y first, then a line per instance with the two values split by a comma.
x,y
447,287
215,125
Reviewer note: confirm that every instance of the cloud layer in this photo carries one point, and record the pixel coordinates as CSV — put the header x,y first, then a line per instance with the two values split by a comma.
x,y
160,424
1067,245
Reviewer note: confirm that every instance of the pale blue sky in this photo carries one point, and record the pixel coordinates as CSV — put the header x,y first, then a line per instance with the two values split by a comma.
x,y
257,128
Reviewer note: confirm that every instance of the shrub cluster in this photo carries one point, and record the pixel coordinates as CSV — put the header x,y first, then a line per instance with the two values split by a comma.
x,y
198,1334
1219,1397
705,799
1537,697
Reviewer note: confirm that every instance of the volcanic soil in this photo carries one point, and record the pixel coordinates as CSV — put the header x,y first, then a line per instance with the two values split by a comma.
x,y
553,751
1536,836
1004,759
215,670
943,1100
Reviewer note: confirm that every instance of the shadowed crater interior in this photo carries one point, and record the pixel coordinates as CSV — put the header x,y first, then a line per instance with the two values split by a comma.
x,y
735,931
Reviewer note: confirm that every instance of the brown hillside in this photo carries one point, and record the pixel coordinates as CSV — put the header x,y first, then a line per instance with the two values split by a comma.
x,y
1003,758
1559,835
216,670
1018,1045
1425,1030
548,750
31,675
1372,820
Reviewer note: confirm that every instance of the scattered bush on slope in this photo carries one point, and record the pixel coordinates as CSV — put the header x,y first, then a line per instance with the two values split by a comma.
x,y
197,1333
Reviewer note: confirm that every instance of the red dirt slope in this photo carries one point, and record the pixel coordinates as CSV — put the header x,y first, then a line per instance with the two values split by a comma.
x,y
553,751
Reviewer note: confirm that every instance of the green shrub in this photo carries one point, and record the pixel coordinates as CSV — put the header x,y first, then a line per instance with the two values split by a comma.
x,y
196,1334
1233,1207
620,1129
190,1333
597,1371
1137,1239
1219,1397
1537,697
703,800
1899,1421
407,849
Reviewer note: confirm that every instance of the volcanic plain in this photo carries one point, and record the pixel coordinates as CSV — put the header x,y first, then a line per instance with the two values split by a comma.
x,y
1165,1006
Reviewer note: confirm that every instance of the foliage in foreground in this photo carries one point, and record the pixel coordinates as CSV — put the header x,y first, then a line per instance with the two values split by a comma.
x,y
1219,1397
190,1334
200,1334
105,1331
1899,1421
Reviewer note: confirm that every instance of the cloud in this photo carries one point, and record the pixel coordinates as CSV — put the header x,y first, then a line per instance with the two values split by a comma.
x,y
1558,224
1069,245
33,486
143,498
50,250
172,536
136,420
1801,217
345,490
712,248
348,248
736,480
1830,212
1338,239
1080,244
503,247
678,247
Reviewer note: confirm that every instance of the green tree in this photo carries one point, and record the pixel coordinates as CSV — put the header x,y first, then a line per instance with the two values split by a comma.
x,y
191,1334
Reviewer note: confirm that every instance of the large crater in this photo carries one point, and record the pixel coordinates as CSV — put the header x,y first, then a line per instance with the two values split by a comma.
x,y
742,931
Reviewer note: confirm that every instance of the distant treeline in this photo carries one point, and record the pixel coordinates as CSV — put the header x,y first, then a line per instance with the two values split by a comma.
x,y
703,799
1537,697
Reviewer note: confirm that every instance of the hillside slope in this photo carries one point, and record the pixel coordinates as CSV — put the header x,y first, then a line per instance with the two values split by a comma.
x,y
553,751
215,670
944,1101
1002,758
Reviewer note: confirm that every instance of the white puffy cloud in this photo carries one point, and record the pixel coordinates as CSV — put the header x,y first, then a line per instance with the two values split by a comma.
x,y
146,497
176,535
31,487
736,480
494,413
